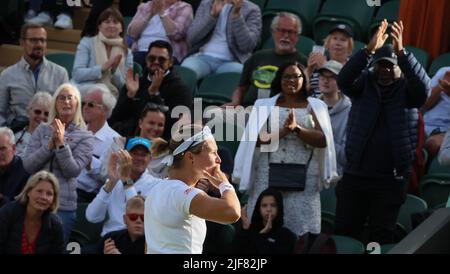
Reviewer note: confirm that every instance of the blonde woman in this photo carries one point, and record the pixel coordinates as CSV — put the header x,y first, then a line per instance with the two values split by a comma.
x,y
62,146
29,225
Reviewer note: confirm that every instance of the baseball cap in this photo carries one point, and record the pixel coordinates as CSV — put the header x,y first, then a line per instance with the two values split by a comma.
x,y
342,27
385,53
333,66
138,141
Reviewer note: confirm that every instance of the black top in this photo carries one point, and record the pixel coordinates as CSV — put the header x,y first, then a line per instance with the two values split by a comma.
x,y
173,92
50,239
277,241
13,180
124,243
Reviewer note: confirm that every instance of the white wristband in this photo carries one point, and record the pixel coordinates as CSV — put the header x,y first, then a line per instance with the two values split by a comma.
x,y
224,186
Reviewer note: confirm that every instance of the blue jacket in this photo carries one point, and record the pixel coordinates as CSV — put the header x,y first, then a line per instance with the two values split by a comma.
x,y
409,93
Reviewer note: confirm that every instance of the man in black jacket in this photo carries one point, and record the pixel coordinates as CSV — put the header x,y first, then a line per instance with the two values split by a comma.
x,y
159,84
381,134
13,176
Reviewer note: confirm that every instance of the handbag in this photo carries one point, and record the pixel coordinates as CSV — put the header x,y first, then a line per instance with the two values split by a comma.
x,y
288,176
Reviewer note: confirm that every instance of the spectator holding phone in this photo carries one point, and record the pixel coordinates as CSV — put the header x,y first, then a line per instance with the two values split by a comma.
x,y
337,46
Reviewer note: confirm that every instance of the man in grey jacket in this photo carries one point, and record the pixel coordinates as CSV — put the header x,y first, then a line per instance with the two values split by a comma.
x,y
339,106
223,35
33,73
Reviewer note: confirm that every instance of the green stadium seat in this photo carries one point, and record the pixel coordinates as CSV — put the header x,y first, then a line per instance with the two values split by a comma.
x,y
137,68
439,62
437,171
89,230
347,245
447,205
304,44
305,9
188,76
229,136
219,238
260,3
435,192
413,204
357,45
421,55
218,88
63,59
389,11
356,14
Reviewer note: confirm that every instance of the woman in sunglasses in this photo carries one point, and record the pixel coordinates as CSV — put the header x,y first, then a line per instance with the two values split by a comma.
x,y
175,211
37,112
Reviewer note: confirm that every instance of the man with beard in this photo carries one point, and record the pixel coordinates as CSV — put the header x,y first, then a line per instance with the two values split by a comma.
x,y
382,133
158,84
33,73
259,70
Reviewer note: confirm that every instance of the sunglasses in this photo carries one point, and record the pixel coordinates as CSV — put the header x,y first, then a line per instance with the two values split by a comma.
x,y
153,58
90,104
39,112
156,107
133,216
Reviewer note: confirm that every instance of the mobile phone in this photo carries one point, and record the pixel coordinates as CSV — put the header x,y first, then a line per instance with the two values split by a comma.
x,y
318,49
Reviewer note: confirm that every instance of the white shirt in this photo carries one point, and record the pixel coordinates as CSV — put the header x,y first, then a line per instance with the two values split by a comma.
x,y
90,181
217,46
152,32
114,203
169,227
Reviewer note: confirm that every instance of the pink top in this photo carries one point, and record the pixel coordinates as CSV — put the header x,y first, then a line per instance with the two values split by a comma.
x,y
182,15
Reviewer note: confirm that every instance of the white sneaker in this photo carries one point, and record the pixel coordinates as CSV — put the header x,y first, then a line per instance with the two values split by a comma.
x,y
63,22
42,18
30,14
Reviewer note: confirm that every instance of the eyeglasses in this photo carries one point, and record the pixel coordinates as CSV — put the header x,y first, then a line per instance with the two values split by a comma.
x,y
133,216
62,98
90,104
156,107
39,112
36,40
291,76
153,58
288,31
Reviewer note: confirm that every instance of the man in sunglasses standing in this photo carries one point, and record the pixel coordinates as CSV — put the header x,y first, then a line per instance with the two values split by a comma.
x,y
19,82
98,104
159,84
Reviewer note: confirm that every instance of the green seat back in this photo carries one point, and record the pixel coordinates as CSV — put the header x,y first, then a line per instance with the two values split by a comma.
x,y
357,45
421,55
90,230
260,3
328,200
356,14
435,192
305,9
218,88
137,68
413,204
63,59
439,62
389,11
347,245
188,76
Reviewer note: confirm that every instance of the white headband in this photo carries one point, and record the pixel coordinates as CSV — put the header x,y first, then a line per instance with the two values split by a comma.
x,y
190,142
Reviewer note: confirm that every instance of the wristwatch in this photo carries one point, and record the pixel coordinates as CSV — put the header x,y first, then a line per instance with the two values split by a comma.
x,y
296,129
128,182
